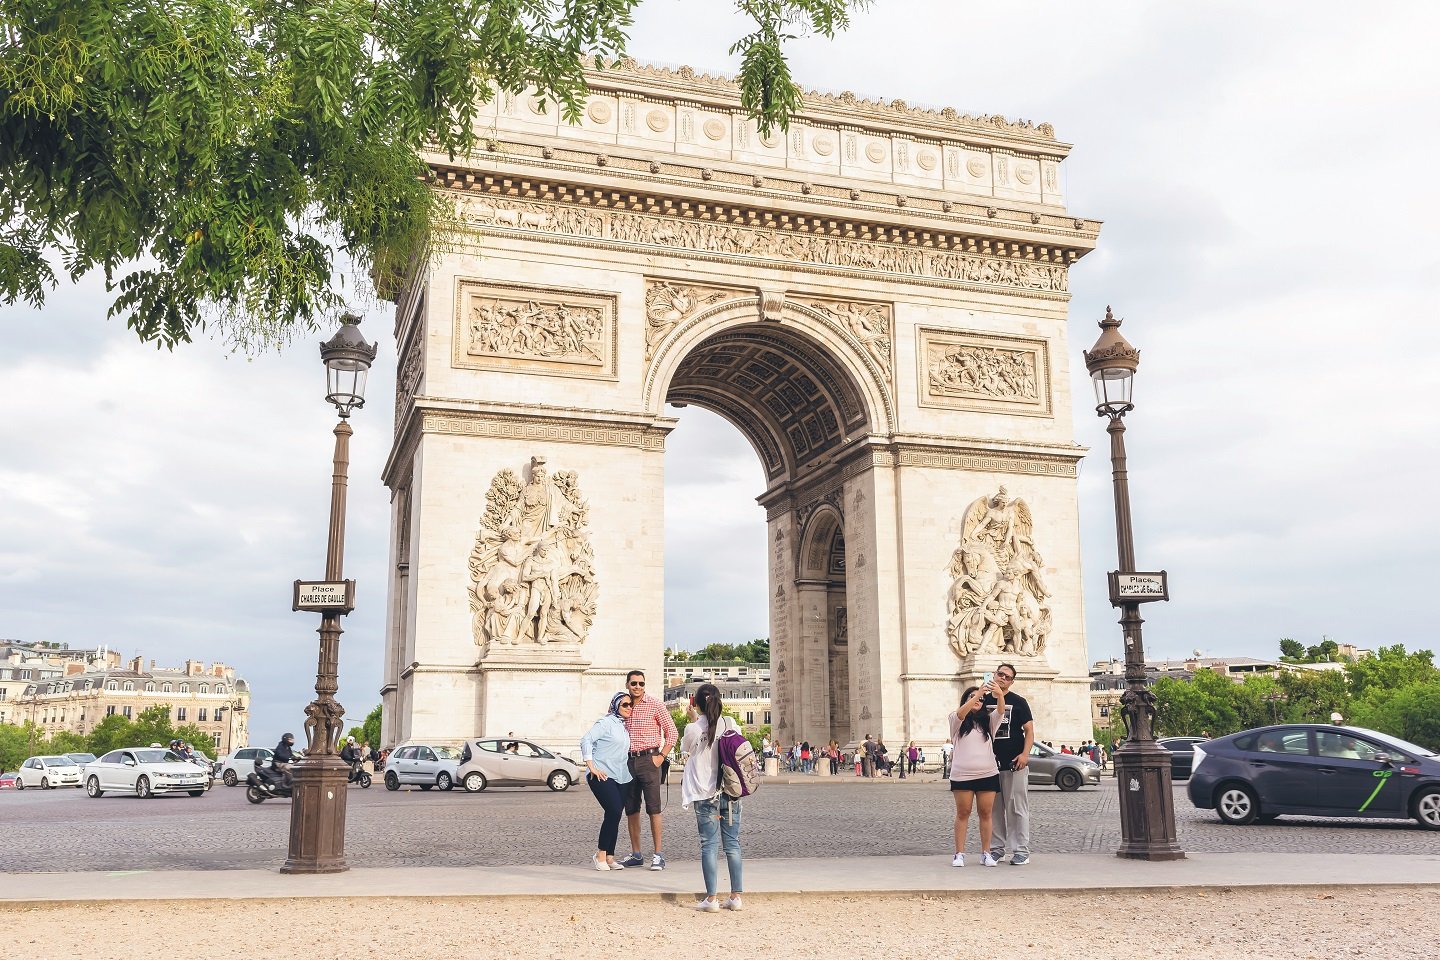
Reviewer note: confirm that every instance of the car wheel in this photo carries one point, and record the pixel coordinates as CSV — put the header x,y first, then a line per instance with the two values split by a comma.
x,y
19,783
444,781
1237,804
254,795
392,782
92,787
1427,809
559,781
230,778
1068,779
474,782
44,783
142,788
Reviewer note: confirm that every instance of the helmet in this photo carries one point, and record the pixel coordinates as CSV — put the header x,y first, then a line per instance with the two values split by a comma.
x,y
349,739
288,738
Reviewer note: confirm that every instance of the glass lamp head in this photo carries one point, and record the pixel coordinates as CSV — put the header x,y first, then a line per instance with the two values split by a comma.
x,y
347,361
1112,363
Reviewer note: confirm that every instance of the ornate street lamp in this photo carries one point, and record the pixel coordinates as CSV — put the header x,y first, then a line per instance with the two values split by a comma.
x,y
1142,767
317,812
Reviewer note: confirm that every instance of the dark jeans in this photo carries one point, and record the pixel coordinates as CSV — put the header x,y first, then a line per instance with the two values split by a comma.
x,y
612,800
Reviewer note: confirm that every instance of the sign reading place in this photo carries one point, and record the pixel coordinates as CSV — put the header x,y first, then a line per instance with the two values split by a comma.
x,y
1138,587
324,596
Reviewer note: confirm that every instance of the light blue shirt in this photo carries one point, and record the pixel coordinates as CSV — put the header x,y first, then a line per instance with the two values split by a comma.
x,y
608,744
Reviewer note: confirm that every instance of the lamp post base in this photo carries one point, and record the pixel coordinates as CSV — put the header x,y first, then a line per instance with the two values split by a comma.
x,y
317,817
1147,803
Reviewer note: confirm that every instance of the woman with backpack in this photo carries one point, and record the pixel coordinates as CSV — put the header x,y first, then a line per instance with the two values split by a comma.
x,y
974,776
717,816
605,752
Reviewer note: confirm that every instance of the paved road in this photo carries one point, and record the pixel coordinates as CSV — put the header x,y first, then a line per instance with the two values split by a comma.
x,y
65,830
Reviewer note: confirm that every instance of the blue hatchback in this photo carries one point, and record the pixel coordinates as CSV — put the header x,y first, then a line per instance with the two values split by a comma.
x,y
1315,770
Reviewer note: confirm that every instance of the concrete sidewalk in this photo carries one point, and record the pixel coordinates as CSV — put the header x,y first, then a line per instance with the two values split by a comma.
x,y
931,875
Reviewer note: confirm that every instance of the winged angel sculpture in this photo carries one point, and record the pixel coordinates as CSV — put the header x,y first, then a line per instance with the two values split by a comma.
x,y
997,601
532,576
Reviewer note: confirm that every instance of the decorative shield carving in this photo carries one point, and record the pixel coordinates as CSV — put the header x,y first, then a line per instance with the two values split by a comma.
x,y
532,576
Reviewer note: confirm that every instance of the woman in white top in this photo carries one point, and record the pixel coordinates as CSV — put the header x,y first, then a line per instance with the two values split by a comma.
x,y
974,776
717,817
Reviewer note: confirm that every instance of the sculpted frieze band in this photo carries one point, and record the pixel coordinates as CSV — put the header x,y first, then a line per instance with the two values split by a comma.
x,y
742,241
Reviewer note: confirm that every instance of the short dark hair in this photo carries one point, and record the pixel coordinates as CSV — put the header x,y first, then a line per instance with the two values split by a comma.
x,y
1011,666
641,673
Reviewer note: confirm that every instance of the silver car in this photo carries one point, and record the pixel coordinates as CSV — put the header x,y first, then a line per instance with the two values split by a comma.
x,y
1066,771
508,762
425,765
145,772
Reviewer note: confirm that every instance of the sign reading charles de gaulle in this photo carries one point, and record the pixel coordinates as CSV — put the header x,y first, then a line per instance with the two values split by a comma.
x,y
324,596
1138,587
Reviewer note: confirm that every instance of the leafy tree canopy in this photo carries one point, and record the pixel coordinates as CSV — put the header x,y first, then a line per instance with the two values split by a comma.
x,y
216,158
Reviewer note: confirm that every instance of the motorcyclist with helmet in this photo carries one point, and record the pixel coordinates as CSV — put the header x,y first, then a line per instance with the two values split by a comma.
x,y
350,753
284,757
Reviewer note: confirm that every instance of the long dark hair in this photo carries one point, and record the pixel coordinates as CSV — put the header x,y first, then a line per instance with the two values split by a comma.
x,y
969,722
707,701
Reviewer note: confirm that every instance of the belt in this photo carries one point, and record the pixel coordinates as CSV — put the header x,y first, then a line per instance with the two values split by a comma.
x,y
645,753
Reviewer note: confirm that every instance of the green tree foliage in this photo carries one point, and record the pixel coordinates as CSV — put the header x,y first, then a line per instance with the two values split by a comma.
x,y
1291,650
756,651
1190,707
16,742
1390,669
112,733
370,731
1411,712
215,158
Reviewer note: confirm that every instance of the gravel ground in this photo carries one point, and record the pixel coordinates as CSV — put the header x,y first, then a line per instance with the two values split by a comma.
x,y
1257,925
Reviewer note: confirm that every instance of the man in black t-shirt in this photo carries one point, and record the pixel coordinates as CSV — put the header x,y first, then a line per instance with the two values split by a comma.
x,y
1012,742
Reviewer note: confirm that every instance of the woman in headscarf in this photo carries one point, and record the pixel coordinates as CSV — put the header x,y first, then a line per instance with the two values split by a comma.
x,y
605,751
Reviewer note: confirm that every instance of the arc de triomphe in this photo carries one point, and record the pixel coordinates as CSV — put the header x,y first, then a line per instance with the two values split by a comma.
x,y
876,299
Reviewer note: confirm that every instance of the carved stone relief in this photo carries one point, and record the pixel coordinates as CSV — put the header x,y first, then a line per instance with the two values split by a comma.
x,y
668,304
537,329
871,324
998,599
407,377
971,371
532,576
736,241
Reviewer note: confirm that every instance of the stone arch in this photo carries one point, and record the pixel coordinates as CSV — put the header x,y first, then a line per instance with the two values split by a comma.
x,y
815,559
799,390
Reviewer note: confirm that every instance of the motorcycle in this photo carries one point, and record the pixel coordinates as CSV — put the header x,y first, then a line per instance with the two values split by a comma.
x,y
266,783
358,775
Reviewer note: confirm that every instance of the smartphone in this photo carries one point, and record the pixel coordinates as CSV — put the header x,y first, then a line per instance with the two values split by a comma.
x,y
989,677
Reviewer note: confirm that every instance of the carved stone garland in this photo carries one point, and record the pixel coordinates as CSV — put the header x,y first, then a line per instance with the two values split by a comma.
x,y
997,602
532,577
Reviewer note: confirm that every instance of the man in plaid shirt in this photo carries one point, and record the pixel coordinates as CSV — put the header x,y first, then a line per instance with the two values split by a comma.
x,y
652,737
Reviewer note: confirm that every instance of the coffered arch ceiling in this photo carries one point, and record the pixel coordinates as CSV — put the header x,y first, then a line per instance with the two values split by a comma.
x,y
790,399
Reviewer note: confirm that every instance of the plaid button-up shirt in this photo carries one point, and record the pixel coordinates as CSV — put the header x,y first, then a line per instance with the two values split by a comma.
x,y
650,725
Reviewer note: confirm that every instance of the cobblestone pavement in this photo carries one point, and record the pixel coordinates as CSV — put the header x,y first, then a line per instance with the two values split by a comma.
x,y
65,830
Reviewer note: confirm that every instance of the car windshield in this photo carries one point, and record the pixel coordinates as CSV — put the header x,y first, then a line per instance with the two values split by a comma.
x,y
445,753
81,757
60,761
157,756
1404,745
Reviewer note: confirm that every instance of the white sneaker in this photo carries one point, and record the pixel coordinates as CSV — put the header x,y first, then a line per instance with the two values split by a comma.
x,y
734,903
616,865
959,860
599,864
708,905
989,861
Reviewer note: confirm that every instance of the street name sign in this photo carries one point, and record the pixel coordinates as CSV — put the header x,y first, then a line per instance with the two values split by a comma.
x,y
1138,587
324,596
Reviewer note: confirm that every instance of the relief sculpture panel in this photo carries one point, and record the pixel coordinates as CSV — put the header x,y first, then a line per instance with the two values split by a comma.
x,y
532,576
971,371
535,329
998,601
668,304
870,324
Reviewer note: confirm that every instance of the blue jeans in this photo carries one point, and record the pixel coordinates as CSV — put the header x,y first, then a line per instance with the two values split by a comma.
x,y
718,820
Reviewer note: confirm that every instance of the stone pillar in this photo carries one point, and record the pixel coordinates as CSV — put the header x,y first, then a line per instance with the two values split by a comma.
x,y
813,657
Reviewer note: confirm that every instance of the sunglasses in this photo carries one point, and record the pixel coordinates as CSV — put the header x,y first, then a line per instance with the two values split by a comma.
x,y
626,706
637,683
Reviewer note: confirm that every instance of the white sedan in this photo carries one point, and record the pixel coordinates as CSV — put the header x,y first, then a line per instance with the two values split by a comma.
x,y
47,773
144,772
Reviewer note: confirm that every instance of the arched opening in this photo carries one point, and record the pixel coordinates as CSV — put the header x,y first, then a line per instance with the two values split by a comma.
x,y
803,412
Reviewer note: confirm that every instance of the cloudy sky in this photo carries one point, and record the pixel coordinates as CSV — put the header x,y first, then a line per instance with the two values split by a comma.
x,y
1266,177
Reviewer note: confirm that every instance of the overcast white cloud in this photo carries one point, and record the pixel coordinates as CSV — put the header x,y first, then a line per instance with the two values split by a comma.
x,y
1266,179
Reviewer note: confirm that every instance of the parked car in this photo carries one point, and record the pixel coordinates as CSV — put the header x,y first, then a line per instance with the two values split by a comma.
x,y
425,765
8,780
1182,754
1315,770
145,772
508,762
48,773
234,768
1065,770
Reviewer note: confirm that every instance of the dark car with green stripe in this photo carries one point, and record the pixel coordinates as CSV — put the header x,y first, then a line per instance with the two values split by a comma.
x,y
1315,770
